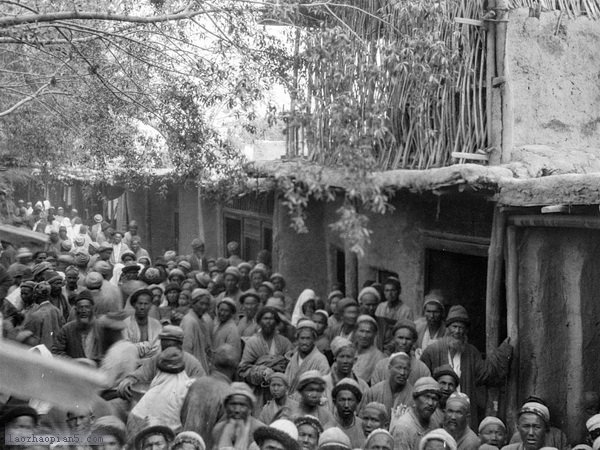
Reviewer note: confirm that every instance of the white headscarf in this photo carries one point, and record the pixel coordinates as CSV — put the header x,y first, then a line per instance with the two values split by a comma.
x,y
306,295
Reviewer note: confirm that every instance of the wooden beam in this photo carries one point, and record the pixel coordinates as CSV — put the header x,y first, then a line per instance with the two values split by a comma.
x,y
589,222
512,324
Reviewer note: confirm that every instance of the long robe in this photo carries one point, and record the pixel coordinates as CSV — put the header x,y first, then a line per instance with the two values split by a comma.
x,y
227,333
45,323
475,372
132,333
354,432
468,440
366,361
203,406
315,360
70,342
196,338
418,369
395,403
272,411
407,431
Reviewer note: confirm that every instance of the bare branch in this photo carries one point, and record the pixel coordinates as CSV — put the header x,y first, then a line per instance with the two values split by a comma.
x,y
89,15
21,102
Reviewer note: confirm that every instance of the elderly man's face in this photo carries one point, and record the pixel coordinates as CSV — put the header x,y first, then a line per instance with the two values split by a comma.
x,y
380,442
83,310
308,437
457,330
155,442
532,429
456,416
371,420
79,422
365,335
237,407
425,405
368,304
493,434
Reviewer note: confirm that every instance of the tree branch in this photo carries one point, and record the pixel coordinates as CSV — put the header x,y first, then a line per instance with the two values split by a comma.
x,y
76,15
21,102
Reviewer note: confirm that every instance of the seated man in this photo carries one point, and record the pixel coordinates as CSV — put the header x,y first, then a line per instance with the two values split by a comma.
x,y
237,428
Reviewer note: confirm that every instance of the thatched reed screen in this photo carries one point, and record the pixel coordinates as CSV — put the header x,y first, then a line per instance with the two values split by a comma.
x,y
570,7
398,83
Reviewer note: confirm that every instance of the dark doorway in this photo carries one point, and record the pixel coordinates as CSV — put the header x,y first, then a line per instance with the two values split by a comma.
x,y
462,279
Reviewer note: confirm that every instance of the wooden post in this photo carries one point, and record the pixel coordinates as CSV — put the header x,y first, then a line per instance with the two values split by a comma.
x,y
351,274
503,79
493,296
490,56
512,324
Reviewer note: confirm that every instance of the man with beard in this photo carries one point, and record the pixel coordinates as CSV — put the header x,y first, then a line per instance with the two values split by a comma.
x,y
76,338
405,336
367,355
456,422
237,428
466,361
416,422
264,352
344,353
346,396
395,392
196,334
448,381
306,357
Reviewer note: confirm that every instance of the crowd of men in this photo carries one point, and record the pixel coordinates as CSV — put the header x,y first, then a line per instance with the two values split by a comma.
x,y
201,353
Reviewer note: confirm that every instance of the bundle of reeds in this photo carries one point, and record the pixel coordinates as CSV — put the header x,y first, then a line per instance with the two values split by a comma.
x,y
570,7
400,80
